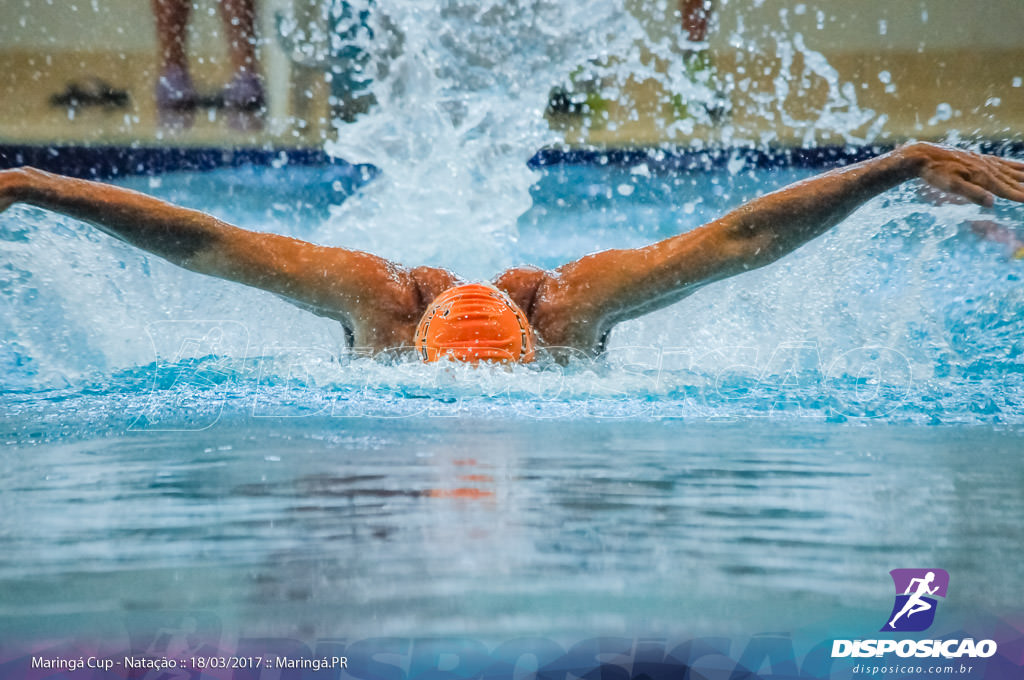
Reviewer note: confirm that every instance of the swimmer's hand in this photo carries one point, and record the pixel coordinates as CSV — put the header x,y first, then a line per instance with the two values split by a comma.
x,y
8,186
977,177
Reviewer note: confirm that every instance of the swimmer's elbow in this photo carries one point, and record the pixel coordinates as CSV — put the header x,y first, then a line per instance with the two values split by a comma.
x,y
196,249
746,250
202,261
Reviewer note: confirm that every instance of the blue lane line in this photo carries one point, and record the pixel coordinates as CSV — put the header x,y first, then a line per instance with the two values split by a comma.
x,y
106,162
687,159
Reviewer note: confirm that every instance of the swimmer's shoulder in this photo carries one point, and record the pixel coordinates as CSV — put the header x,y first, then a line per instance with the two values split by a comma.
x,y
431,282
521,284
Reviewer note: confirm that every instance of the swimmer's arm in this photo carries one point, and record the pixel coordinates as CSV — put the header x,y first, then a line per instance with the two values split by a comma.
x,y
347,285
617,285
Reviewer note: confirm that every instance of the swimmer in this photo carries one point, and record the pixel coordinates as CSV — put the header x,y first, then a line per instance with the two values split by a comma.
x,y
383,305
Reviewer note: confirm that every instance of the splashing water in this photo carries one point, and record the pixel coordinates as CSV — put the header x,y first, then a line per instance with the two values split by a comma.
x,y
459,113
898,296
461,88
900,313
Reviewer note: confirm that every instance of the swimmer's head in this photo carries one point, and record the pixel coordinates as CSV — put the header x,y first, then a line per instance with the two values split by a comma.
x,y
474,322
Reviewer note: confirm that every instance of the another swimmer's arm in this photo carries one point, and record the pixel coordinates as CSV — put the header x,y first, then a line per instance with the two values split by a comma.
x,y
616,285
333,281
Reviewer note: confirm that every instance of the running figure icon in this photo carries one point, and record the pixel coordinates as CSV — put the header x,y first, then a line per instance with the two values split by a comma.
x,y
915,604
915,591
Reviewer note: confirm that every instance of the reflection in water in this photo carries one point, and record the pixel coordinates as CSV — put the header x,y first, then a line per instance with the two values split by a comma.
x,y
438,526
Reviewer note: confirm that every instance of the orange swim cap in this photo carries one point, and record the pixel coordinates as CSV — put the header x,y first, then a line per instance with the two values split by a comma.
x,y
474,322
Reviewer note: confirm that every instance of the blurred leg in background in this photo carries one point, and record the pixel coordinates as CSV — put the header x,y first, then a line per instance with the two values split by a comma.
x,y
245,91
176,96
697,19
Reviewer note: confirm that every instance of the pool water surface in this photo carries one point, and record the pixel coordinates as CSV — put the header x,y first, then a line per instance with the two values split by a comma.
x,y
754,458
500,528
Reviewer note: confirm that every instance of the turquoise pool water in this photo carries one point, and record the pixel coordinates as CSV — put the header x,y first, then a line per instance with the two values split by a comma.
x,y
499,528
755,458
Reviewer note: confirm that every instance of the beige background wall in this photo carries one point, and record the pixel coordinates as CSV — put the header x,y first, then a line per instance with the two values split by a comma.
x,y
865,25
73,25
924,66
827,25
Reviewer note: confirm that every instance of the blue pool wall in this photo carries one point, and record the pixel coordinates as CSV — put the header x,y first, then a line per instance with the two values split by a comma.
x,y
109,162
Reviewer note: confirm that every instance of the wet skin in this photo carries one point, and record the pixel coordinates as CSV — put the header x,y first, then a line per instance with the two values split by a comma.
x,y
379,302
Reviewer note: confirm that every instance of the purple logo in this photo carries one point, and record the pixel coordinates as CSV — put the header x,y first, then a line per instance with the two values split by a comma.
x,y
916,589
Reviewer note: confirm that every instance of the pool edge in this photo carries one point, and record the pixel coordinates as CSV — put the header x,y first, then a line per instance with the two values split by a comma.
x,y
106,162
